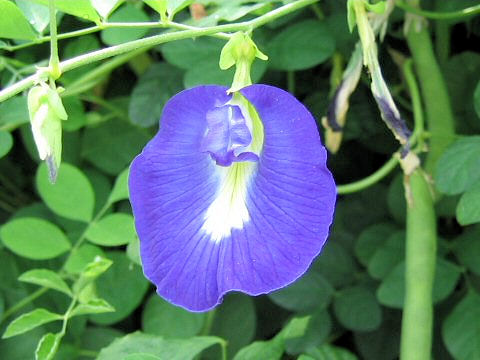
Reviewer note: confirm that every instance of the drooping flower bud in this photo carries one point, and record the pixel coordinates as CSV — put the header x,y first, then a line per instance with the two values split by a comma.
x,y
46,112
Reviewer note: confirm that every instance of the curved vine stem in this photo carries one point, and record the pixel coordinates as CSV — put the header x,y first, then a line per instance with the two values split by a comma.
x,y
102,54
459,14
370,180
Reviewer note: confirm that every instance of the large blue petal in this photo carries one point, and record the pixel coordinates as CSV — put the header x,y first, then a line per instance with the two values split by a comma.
x,y
277,227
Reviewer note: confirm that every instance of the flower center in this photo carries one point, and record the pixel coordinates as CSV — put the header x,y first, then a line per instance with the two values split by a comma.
x,y
228,136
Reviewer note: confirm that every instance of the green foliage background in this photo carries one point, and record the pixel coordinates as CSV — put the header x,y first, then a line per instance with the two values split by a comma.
x,y
76,239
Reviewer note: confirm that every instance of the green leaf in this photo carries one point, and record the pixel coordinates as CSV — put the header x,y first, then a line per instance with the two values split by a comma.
x,y
47,346
76,114
295,328
112,154
336,265
387,256
93,306
461,332
105,7
76,47
476,99
174,6
458,168
387,338
357,309
173,349
79,258
161,318
236,309
96,338
315,333
80,8
141,356
34,238
6,143
301,46
153,89
93,270
371,239
392,289
123,299
71,196
189,53
21,347
46,278
309,292
14,111
330,352
29,321
112,230
467,249
36,14
234,10
127,13
468,211
14,24
101,187
120,188
159,6
261,350
133,251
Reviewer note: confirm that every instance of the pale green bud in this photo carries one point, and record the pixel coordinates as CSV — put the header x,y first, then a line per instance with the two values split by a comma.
x,y
46,112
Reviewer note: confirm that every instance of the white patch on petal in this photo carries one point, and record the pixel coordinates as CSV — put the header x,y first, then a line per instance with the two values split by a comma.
x,y
228,211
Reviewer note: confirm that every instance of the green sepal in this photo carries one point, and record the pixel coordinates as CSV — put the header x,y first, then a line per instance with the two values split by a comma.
x,y
378,8
240,51
240,47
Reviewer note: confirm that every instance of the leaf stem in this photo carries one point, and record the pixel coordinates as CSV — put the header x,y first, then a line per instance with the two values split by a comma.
x,y
419,127
54,60
369,180
113,25
25,301
153,41
459,14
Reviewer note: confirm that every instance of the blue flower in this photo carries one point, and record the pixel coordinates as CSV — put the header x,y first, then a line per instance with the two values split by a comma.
x,y
230,195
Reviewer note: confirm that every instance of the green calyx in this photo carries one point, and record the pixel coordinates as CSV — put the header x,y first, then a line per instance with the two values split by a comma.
x,y
46,112
240,51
